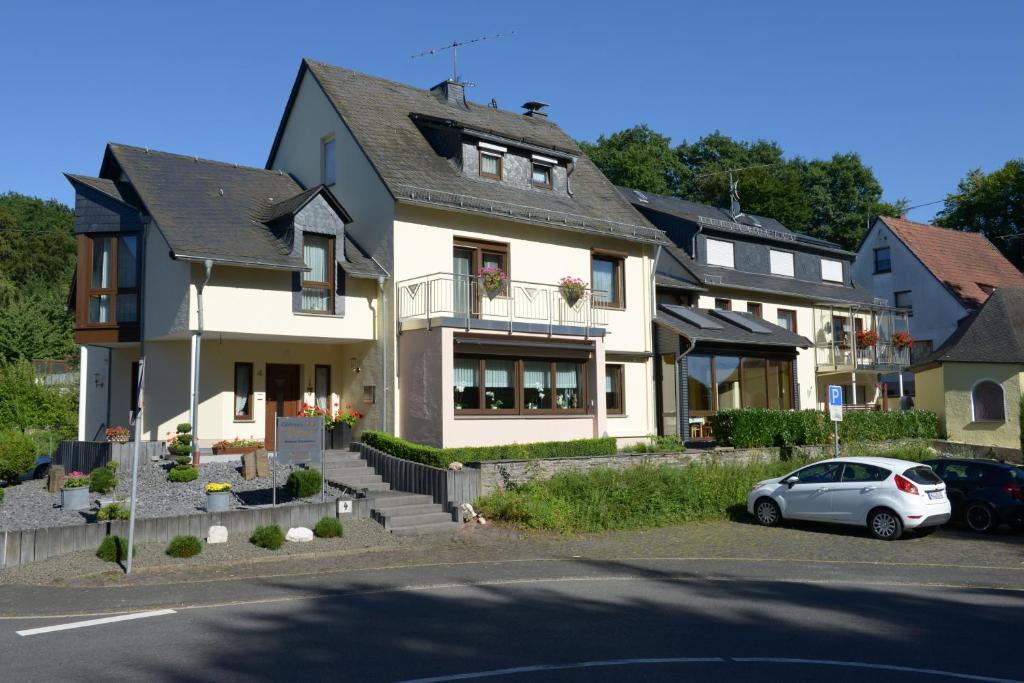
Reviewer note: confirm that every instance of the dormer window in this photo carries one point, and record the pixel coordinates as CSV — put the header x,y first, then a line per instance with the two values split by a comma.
x,y
491,160
542,173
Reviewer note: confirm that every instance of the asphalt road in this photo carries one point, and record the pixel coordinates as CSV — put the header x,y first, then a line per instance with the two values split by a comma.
x,y
545,619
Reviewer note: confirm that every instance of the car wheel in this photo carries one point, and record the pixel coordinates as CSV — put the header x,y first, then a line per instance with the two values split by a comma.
x,y
980,517
885,524
767,512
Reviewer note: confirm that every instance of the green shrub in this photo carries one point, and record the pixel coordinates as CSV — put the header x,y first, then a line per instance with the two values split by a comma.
x,y
442,457
328,527
181,443
184,546
113,511
759,427
304,483
102,480
269,537
28,406
112,466
1,495
114,549
181,475
634,498
17,455
876,425
664,443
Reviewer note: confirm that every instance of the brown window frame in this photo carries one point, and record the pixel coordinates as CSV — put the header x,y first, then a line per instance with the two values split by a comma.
x,y
332,269
480,165
519,364
744,372
618,386
548,173
248,416
86,291
726,307
755,309
480,248
789,313
618,261
327,397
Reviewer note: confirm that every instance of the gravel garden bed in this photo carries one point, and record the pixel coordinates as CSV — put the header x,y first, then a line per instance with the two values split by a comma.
x,y
30,506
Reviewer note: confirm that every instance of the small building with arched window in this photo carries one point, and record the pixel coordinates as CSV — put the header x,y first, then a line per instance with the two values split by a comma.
x,y
974,382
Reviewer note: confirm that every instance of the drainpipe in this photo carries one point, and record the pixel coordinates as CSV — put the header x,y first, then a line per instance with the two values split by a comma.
x,y
196,341
384,354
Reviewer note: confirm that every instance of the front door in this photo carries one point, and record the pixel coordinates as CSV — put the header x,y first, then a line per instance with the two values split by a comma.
x,y
283,397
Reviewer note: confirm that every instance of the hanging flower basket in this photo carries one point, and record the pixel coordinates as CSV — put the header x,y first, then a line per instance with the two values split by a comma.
x,y
573,289
902,340
867,338
493,279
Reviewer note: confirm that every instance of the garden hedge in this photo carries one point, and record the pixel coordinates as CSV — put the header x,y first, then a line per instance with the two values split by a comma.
x,y
759,427
442,457
17,455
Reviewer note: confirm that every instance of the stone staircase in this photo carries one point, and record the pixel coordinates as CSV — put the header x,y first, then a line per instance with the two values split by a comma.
x,y
401,513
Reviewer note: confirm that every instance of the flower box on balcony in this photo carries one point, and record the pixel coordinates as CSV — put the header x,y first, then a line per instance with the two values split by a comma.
x,y
237,447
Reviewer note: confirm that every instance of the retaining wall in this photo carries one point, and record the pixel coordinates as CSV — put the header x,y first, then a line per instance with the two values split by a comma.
x,y
448,488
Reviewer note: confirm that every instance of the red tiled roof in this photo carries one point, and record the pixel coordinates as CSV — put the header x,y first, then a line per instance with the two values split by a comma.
x,y
962,261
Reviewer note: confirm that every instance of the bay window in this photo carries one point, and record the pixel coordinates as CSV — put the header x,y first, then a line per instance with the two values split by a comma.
x,y
518,386
108,280
726,382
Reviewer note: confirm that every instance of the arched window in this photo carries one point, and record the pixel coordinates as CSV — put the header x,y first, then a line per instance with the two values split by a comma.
x,y
987,404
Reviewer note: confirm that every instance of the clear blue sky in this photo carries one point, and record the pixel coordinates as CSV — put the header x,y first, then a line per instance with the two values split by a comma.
x,y
923,90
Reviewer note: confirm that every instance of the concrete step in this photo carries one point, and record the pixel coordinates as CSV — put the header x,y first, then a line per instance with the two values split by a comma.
x,y
436,528
342,456
380,487
398,499
340,470
357,480
406,510
417,520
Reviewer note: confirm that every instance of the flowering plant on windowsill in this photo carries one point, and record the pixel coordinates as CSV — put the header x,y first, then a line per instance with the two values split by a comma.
x,y
493,279
902,340
238,443
347,415
867,338
573,289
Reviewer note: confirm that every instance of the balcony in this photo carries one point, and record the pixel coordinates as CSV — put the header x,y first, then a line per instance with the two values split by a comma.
x,y
842,338
457,300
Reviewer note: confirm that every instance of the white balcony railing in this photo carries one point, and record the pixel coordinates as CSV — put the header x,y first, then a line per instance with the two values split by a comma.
x,y
461,297
836,337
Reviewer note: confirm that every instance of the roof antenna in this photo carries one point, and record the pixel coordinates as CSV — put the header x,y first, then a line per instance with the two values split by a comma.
x,y
454,47
734,197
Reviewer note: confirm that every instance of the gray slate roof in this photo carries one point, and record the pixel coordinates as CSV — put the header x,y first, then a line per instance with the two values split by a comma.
x,y
211,209
729,332
992,334
379,114
116,190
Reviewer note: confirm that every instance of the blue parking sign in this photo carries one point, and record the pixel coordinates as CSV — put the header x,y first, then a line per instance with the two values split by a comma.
x,y
835,402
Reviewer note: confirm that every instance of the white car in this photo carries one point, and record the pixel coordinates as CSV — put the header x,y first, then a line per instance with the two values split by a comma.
x,y
886,495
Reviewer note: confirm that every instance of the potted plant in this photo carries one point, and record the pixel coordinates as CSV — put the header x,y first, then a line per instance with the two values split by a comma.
x,y
236,446
493,279
218,497
339,427
573,289
75,494
117,434
902,340
866,338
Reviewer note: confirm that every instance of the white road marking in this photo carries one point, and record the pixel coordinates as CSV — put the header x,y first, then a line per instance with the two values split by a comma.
x,y
699,660
94,622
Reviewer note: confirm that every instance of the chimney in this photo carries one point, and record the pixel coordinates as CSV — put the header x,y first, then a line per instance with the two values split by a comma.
x,y
451,93
533,108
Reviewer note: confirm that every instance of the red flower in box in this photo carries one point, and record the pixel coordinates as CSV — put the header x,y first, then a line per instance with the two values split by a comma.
x,y
867,338
902,340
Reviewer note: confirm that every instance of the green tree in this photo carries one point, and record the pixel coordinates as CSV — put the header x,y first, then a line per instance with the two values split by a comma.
x,y
992,204
27,405
637,157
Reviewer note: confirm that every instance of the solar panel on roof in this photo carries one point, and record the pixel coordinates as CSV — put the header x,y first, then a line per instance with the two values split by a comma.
x,y
743,321
693,317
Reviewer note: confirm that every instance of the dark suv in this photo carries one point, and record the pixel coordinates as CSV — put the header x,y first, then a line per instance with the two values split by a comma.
x,y
983,493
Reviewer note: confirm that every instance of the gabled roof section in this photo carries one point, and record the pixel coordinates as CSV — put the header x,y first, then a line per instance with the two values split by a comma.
x,y
992,334
673,271
381,115
274,211
115,189
733,329
966,263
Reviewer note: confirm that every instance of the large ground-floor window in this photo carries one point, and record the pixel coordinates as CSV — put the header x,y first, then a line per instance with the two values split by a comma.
x,y
520,386
723,382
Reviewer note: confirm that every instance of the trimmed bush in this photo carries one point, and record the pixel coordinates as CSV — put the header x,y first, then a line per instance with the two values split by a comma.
x,y
269,537
114,549
759,427
442,457
17,455
304,483
1,495
113,511
102,480
180,475
184,546
328,527
887,426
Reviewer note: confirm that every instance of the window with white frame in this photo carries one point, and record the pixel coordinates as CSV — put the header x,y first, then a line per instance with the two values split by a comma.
x,y
781,263
831,270
988,404
720,253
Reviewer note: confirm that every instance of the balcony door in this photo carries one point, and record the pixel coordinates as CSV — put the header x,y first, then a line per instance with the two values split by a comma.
x,y
469,257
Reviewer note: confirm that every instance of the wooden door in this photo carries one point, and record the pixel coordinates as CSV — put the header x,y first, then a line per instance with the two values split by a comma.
x,y
283,396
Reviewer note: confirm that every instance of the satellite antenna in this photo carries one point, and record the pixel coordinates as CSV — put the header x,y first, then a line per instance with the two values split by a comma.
x,y
454,47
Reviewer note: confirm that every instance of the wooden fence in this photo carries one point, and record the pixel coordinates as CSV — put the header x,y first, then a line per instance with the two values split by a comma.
x,y
31,545
449,488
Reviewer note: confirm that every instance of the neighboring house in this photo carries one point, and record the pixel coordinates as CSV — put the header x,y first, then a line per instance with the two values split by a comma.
x,y
290,307
939,275
412,193
751,314
975,380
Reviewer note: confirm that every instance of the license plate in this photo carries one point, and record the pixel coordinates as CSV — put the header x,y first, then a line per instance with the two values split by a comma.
x,y
936,495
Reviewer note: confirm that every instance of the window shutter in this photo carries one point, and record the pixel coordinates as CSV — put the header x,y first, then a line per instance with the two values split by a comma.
x,y
720,253
781,263
831,270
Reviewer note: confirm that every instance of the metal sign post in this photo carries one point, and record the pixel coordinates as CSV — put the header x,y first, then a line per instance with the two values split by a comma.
x,y
300,441
273,463
135,465
835,411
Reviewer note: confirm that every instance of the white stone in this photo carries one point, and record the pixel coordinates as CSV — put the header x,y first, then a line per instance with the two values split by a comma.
x,y
455,465
217,534
299,534
480,519
468,513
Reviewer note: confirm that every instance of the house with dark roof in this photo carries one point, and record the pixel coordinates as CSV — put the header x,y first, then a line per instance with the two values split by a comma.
x,y
172,247
974,382
751,314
